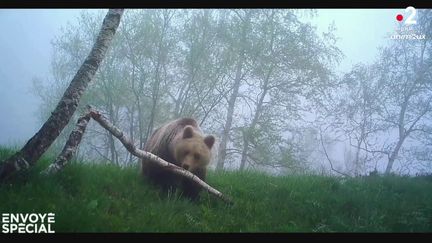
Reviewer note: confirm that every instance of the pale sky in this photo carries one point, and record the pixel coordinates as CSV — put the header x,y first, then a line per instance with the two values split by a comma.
x,y
360,31
25,52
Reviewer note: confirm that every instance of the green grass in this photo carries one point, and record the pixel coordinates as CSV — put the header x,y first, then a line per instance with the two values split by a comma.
x,y
104,198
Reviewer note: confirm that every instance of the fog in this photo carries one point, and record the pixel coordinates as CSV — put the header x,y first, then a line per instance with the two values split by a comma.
x,y
27,53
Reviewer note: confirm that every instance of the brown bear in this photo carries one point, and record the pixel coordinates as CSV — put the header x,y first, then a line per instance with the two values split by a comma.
x,y
180,142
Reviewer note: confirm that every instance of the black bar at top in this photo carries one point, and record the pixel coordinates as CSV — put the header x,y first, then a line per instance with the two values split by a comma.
x,y
214,4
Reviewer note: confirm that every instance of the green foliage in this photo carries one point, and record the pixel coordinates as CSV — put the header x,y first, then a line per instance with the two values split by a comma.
x,y
107,198
165,63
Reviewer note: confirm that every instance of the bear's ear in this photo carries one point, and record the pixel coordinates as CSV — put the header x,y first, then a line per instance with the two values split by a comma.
x,y
188,132
209,141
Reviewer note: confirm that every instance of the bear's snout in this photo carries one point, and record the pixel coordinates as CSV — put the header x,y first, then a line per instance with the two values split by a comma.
x,y
185,166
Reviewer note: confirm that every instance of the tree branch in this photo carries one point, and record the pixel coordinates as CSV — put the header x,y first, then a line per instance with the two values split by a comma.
x,y
424,112
328,158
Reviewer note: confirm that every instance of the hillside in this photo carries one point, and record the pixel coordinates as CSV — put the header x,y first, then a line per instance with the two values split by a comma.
x,y
105,198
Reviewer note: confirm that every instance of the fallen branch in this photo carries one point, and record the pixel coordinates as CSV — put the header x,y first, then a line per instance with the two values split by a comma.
x,y
76,135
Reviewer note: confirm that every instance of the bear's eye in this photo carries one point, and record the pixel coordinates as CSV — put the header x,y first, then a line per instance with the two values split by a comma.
x,y
197,156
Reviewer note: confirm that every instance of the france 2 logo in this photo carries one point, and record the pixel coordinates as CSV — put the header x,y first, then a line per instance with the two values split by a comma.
x,y
410,20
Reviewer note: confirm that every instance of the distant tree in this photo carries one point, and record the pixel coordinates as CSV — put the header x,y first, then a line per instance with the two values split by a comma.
x,y
238,37
353,111
202,64
407,94
293,65
385,108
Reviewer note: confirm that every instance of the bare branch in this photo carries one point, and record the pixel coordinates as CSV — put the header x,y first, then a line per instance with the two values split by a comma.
x,y
370,151
328,158
424,112
95,148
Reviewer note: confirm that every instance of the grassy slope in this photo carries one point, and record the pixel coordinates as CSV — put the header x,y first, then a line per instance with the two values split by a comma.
x,y
101,198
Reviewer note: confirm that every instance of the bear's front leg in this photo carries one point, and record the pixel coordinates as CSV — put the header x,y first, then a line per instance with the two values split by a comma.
x,y
190,189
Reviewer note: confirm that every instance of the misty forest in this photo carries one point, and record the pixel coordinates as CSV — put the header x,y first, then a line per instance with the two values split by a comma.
x,y
300,145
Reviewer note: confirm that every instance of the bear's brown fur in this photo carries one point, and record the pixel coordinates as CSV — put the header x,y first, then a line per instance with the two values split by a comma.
x,y
182,143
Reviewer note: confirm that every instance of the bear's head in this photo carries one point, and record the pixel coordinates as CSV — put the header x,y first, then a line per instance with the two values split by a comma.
x,y
192,151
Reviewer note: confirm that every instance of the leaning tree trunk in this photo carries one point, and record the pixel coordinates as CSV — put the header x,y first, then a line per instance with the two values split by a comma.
x,y
60,117
393,156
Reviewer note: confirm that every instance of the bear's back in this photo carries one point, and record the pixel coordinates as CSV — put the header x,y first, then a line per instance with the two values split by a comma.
x,y
185,121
